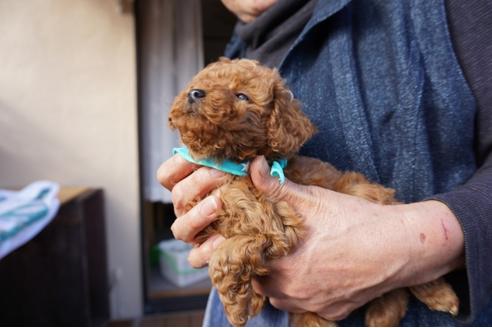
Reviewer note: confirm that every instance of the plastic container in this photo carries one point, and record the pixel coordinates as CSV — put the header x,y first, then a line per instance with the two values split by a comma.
x,y
173,263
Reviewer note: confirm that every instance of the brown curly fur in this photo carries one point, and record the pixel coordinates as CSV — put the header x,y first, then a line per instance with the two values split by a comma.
x,y
257,230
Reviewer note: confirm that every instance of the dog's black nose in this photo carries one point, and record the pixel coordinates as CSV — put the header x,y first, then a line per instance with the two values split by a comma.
x,y
195,95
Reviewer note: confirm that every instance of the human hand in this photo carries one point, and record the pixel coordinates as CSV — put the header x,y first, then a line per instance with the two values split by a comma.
x,y
189,182
373,248
354,250
248,10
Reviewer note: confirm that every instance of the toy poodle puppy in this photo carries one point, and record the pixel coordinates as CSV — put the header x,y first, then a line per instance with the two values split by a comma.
x,y
233,111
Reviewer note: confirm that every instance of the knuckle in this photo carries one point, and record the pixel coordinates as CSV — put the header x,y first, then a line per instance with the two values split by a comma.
x,y
196,258
205,177
187,238
194,221
283,191
199,175
162,176
175,232
275,189
192,259
177,197
186,235
280,191
217,193
179,233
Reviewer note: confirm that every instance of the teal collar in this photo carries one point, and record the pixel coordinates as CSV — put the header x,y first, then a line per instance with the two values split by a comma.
x,y
234,168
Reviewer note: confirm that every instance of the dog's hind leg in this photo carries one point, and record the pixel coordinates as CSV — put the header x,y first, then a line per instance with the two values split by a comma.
x,y
387,310
309,319
438,295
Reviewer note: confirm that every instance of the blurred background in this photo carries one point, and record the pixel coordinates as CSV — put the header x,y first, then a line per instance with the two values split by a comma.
x,y
85,88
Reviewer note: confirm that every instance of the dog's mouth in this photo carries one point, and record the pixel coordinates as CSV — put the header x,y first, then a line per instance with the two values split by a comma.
x,y
180,115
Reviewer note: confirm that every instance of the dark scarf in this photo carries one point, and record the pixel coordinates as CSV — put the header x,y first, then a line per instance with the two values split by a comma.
x,y
271,34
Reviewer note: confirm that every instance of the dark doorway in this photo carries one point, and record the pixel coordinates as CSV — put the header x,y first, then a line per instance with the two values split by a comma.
x,y
160,295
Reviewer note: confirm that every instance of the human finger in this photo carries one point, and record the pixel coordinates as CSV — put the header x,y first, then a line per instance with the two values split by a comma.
x,y
200,255
285,305
195,186
174,170
187,226
260,176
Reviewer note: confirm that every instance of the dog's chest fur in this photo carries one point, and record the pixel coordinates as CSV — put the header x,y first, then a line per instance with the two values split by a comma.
x,y
244,207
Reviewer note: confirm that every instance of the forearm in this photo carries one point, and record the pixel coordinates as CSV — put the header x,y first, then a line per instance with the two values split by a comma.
x,y
435,240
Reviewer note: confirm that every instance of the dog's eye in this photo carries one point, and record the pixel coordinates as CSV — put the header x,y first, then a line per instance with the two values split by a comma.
x,y
242,96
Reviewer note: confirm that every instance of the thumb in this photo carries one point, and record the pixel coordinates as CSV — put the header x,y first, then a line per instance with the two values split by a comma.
x,y
270,186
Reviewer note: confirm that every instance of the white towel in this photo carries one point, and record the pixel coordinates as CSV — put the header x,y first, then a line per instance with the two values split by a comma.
x,y
24,213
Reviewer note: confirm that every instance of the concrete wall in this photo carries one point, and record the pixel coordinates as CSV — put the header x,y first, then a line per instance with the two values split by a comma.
x,y
68,114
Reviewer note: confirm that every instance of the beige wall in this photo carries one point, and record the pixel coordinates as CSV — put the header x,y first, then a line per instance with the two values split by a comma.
x,y
68,113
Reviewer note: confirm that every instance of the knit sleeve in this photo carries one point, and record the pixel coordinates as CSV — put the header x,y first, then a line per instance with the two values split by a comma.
x,y
472,205
470,28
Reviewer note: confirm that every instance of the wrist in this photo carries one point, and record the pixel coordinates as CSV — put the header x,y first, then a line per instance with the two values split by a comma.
x,y
435,240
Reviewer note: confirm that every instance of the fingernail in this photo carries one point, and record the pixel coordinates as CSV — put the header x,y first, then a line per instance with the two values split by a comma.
x,y
209,206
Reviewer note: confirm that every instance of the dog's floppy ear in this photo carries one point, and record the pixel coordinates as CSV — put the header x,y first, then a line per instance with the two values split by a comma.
x,y
288,127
